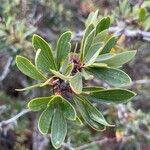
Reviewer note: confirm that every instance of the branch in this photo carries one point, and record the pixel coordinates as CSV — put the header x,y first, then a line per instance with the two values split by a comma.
x,y
118,30
100,142
11,120
65,145
143,81
6,69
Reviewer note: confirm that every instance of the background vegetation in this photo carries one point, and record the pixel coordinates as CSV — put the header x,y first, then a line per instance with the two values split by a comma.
x,y
19,19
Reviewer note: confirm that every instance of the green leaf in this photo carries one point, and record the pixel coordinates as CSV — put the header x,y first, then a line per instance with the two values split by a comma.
x,y
40,62
86,75
87,32
109,45
85,114
58,129
45,58
78,121
39,103
29,87
94,113
92,54
142,14
66,107
99,65
64,65
88,42
117,59
45,120
26,67
68,70
59,75
104,57
100,37
114,77
76,83
92,89
102,25
92,18
47,82
111,95
63,47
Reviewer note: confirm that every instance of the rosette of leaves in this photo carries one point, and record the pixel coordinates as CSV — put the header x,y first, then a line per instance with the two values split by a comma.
x,y
67,74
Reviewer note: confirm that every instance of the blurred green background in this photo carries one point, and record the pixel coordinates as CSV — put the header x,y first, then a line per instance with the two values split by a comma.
x,y
19,19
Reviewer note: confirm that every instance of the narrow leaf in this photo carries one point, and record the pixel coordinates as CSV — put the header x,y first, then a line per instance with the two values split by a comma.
x,y
99,65
102,25
114,77
88,43
59,75
109,45
78,121
104,57
100,37
92,54
86,75
117,59
26,67
40,62
45,59
58,129
76,83
29,87
39,103
111,95
94,113
91,89
63,47
92,18
87,32
66,107
45,120
83,111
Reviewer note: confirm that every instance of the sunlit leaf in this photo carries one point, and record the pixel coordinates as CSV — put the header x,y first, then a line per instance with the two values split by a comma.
x,y
92,54
100,37
116,59
92,18
66,107
26,67
39,103
86,34
63,47
114,77
88,43
45,58
91,89
111,95
86,75
76,83
109,45
29,87
83,111
58,128
59,75
94,113
102,25
45,120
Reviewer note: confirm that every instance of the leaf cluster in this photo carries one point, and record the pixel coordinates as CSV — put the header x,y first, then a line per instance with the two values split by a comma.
x,y
67,74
